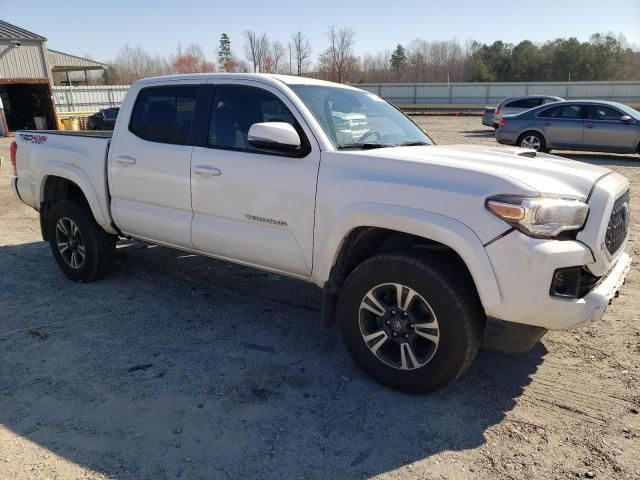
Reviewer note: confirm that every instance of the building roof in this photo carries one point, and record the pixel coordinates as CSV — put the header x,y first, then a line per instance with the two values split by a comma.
x,y
64,62
11,32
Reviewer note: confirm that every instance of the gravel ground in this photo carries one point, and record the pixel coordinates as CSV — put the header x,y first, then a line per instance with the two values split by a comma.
x,y
177,366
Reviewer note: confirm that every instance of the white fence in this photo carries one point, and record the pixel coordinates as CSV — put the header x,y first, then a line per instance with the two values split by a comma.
x,y
88,99
491,93
94,98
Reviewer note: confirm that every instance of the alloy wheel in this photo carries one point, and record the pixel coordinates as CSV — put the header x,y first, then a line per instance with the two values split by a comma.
x,y
70,243
531,141
399,326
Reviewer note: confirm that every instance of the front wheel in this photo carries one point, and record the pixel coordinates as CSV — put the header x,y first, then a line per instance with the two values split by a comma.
x,y
82,249
413,324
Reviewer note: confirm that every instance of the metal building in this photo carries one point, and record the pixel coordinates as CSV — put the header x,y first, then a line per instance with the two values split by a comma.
x,y
27,73
25,79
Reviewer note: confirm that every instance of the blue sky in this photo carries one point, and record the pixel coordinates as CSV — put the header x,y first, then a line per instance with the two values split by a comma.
x,y
101,28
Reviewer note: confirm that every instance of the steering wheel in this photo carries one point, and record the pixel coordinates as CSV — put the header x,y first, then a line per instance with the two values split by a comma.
x,y
370,133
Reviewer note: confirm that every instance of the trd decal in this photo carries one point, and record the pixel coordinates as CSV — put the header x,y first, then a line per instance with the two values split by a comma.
x,y
29,138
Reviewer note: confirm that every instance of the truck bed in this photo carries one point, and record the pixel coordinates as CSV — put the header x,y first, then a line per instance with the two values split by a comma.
x,y
49,153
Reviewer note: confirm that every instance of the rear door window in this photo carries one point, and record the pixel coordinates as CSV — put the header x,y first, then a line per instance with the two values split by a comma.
x,y
573,111
553,112
568,112
164,114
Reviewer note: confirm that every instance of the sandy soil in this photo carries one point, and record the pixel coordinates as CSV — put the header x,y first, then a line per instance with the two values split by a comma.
x,y
176,366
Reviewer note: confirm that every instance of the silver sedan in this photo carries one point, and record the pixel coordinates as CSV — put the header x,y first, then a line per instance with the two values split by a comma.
x,y
575,125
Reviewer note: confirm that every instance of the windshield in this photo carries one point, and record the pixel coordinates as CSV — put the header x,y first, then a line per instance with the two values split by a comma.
x,y
629,111
354,119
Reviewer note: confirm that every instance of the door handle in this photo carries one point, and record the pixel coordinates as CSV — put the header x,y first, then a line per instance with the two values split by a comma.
x,y
125,160
588,126
207,171
547,124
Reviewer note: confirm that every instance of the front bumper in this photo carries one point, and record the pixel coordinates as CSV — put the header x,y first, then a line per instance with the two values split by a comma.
x,y
524,269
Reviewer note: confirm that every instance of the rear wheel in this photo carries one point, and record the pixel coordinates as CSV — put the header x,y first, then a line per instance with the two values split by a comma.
x,y
82,249
411,323
532,140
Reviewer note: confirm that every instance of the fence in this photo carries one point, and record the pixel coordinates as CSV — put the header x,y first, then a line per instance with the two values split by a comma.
x,y
94,98
88,99
491,93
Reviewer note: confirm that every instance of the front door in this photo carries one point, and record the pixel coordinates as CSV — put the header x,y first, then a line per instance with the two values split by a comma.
x,y
150,166
252,206
604,131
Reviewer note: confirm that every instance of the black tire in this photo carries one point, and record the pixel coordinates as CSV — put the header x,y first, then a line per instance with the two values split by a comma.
x,y
99,247
451,297
538,136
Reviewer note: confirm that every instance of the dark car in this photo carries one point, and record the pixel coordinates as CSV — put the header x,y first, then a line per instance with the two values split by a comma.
x,y
591,125
103,120
487,117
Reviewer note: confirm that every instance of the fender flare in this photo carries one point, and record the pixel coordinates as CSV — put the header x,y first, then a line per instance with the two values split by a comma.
x,y
422,223
53,168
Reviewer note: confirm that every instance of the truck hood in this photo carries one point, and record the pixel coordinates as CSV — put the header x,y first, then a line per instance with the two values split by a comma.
x,y
546,174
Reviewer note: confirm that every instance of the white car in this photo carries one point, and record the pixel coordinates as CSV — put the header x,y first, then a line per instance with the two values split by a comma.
x,y
513,105
423,251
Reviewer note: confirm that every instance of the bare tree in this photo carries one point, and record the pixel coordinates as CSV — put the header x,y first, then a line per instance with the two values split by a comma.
x,y
265,60
257,51
340,51
251,49
278,53
301,49
133,63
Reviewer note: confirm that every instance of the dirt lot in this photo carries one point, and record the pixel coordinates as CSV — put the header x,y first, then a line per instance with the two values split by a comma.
x,y
176,366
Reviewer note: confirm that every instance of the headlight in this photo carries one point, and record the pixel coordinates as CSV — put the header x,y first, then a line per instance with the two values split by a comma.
x,y
342,125
541,217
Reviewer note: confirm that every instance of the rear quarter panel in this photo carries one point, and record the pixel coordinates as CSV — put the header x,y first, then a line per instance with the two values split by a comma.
x,y
80,159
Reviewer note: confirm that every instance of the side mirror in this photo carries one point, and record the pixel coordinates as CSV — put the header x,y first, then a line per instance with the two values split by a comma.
x,y
626,119
274,136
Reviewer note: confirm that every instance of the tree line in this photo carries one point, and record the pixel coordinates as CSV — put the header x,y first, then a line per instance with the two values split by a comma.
x,y
602,57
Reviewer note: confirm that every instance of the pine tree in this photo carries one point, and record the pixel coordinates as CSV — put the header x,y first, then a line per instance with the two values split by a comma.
x,y
398,58
224,50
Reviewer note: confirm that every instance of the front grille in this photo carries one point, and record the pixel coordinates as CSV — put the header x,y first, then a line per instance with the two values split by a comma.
x,y
618,226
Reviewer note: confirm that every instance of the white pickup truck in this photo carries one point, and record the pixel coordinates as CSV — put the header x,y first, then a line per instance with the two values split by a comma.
x,y
423,251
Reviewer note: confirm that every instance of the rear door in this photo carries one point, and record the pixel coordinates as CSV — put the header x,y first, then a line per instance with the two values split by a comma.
x,y
150,165
252,206
604,131
563,125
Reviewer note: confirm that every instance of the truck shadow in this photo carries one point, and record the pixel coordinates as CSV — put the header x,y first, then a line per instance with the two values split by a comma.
x,y
178,366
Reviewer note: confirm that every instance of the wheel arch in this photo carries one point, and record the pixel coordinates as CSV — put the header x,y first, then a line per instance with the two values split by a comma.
x,y
372,228
69,182
533,130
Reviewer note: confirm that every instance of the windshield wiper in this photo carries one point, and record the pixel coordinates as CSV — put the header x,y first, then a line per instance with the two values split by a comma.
x,y
363,146
410,144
